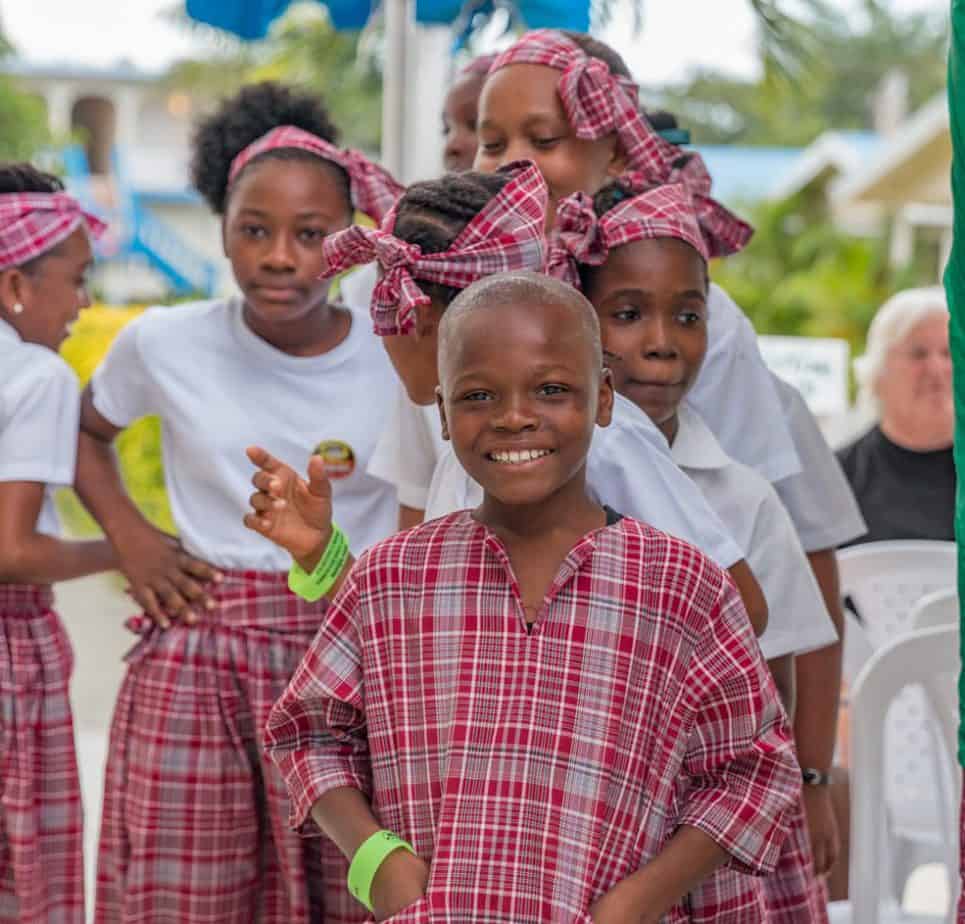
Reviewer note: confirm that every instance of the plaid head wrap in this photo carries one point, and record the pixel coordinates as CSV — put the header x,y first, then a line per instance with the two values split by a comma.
x,y
596,102
33,223
506,235
580,236
373,189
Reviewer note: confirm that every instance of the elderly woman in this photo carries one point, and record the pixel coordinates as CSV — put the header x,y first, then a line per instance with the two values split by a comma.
x,y
901,470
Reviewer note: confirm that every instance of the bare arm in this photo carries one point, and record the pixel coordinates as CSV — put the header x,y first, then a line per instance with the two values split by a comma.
x,y
816,717
30,557
648,894
751,594
165,580
346,817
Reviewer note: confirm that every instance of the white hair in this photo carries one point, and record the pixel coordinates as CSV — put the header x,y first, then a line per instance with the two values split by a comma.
x,y
893,322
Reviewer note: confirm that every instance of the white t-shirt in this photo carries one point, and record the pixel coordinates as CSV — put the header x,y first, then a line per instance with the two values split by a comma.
x,y
39,419
408,449
629,469
818,498
734,393
219,388
748,506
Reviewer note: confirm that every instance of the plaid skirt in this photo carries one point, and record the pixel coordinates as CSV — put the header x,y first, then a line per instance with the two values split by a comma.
x,y
794,894
195,827
41,819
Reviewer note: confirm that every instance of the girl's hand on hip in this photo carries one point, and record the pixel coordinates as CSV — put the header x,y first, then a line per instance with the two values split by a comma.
x,y
165,580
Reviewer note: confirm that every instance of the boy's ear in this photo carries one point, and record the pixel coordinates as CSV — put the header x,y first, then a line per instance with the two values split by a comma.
x,y
224,234
442,413
618,161
604,409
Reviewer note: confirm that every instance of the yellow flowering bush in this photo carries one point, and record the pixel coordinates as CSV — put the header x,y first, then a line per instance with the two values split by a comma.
x,y
138,447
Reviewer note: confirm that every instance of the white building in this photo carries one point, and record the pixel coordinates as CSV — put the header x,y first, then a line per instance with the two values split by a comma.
x,y
124,139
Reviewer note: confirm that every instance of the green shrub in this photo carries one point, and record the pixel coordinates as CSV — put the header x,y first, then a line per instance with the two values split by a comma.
x,y
138,447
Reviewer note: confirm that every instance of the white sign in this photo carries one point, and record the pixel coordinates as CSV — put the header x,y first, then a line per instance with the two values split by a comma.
x,y
816,367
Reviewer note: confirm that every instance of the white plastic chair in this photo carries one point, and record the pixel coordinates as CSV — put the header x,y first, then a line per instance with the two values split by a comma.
x,y
928,658
936,609
886,580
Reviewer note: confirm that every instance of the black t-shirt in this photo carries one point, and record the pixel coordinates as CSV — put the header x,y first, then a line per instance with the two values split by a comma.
x,y
902,494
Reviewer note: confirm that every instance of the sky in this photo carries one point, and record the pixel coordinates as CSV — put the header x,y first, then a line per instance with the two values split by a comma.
x,y
677,36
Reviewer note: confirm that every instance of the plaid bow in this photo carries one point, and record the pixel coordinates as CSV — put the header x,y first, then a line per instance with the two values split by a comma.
x,y
374,190
580,237
33,223
506,235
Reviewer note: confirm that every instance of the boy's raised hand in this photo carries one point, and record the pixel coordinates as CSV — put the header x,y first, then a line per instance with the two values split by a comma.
x,y
293,513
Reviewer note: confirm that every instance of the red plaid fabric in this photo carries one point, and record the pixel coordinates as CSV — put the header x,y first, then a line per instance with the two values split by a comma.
x,y
374,190
33,223
536,769
506,235
598,103
579,236
41,820
194,826
793,893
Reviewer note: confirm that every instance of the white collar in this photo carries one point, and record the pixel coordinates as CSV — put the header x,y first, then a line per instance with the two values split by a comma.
x,y
9,332
695,446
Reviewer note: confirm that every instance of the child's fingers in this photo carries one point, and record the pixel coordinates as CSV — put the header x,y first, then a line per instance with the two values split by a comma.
x,y
269,484
197,568
258,524
264,459
152,606
318,483
263,503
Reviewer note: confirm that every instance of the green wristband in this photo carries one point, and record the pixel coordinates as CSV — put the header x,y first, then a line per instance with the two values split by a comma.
x,y
367,860
322,579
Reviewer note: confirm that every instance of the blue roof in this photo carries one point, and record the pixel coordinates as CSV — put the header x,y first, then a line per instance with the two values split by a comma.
x,y
746,174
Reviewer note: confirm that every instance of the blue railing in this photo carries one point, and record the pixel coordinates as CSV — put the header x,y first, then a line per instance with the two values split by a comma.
x,y
138,231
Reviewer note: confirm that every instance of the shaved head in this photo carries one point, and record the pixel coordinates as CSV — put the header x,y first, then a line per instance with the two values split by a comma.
x,y
523,292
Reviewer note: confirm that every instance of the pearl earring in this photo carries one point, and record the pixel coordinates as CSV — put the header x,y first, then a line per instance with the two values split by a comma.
x,y
18,308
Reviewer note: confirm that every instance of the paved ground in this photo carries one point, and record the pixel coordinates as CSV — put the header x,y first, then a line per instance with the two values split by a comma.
x,y
94,610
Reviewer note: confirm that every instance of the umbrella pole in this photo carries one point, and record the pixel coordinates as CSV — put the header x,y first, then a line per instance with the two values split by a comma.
x,y
397,17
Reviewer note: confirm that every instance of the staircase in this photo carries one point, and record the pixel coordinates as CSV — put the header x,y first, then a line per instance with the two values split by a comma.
x,y
135,230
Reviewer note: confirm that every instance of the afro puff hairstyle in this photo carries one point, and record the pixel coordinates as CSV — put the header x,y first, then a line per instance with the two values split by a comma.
x,y
241,120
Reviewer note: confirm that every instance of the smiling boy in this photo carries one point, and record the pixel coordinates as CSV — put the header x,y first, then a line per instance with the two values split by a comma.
x,y
563,711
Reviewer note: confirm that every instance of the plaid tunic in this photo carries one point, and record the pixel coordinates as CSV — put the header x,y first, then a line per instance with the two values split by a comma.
x,y
536,769
41,820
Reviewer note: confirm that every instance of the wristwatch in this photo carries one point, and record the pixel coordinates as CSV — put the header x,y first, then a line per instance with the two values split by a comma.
x,y
814,777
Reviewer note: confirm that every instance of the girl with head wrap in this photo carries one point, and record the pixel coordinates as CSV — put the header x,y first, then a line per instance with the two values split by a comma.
x,y
194,822
45,253
640,254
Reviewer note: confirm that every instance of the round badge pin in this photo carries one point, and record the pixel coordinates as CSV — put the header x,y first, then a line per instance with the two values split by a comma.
x,y
338,456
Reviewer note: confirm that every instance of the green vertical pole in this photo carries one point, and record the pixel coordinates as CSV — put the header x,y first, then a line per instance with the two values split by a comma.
x,y
955,287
